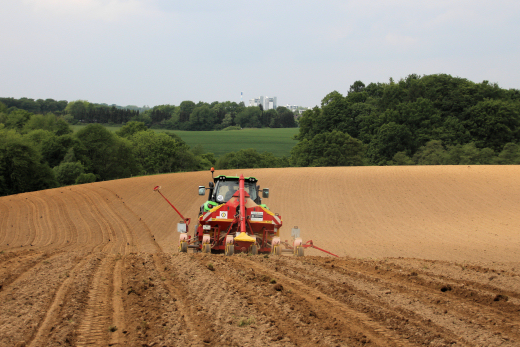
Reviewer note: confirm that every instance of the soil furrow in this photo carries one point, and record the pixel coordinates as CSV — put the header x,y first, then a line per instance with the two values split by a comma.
x,y
195,329
371,298
12,270
4,224
414,303
96,321
359,323
120,237
32,296
483,283
117,337
152,313
471,306
65,320
240,323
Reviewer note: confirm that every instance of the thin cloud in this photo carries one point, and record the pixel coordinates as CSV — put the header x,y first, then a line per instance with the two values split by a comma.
x,y
400,40
109,11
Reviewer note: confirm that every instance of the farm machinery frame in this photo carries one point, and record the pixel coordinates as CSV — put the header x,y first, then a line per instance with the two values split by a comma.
x,y
234,220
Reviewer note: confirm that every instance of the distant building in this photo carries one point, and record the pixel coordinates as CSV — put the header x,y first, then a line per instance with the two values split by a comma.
x,y
267,102
297,109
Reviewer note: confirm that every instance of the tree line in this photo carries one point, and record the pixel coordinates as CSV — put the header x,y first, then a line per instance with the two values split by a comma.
x,y
431,119
187,116
428,120
41,151
215,116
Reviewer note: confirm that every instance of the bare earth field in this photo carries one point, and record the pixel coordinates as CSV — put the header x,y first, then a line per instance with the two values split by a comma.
x,y
428,256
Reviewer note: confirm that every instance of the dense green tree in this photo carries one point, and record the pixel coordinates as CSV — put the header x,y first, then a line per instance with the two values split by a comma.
x,y
53,148
15,119
47,122
105,154
86,178
203,118
67,173
328,149
142,118
510,154
248,158
432,153
21,166
400,158
286,117
227,121
185,109
492,123
131,128
390,139
249,117
77,109
158,153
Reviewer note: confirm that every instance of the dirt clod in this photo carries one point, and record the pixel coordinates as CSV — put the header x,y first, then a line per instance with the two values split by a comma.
x,y
500,297
445,288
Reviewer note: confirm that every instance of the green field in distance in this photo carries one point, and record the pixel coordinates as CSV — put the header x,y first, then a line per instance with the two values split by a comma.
x,y
277,141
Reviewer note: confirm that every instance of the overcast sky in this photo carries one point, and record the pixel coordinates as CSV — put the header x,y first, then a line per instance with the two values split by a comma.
x,y
152,52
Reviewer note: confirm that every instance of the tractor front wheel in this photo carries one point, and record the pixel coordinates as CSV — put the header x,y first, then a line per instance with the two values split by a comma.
x,y
277,250
299,251
183,247
254,250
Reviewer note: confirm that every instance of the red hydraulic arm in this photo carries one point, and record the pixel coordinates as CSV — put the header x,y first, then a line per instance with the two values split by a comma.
x,y
186,220
310,244
242,205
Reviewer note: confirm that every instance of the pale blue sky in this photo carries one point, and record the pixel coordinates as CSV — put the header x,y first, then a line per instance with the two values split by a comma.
x,y
151,52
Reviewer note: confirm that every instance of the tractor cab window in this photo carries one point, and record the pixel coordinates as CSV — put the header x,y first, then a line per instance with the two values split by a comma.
x,y
225,190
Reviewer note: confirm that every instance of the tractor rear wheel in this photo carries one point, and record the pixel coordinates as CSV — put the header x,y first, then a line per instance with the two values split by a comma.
x,y
254,250
183,248
206,248
299,251
230,249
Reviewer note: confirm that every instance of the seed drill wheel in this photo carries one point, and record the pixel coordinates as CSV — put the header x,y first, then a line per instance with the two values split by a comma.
x,y
299,251
276,250
230,249
206,248
183,247
253,250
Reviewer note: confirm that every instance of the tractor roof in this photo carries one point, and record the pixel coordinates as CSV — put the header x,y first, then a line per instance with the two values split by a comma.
x,y
234,178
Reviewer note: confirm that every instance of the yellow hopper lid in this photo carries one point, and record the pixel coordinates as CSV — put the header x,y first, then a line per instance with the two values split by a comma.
x,y
243,237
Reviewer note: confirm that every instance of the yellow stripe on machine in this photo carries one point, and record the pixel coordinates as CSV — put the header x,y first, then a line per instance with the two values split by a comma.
x,y
220,220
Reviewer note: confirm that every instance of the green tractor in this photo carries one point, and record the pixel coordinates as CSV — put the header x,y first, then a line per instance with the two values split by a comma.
x,y
223,187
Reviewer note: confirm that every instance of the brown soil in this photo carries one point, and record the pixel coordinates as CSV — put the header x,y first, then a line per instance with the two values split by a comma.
x,y
428,256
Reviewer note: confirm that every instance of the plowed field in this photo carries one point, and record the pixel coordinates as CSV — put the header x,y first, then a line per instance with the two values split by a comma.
x,y
428,256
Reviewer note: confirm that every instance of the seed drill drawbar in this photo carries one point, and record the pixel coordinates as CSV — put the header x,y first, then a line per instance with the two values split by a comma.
x,y
234,220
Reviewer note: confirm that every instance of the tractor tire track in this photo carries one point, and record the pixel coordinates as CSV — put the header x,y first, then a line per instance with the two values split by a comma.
x,y
153,312
117,337
65,320
196,332
93,329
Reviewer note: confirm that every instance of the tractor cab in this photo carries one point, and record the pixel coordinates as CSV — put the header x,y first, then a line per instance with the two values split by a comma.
x,y
222,188
226,186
